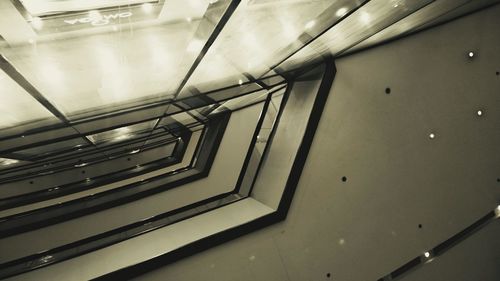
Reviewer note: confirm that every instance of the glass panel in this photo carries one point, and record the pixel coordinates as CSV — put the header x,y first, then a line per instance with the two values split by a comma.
x,y
270,117
43,150
183,118
237,103
17,106
117,64
363,23
7,162
122,133
50,7
259,35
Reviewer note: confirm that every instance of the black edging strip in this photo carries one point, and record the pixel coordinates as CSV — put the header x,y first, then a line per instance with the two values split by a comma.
x,y
405,267
468,231
441,248
56,214
229,234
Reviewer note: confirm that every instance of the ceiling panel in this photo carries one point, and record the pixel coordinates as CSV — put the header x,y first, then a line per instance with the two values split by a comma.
x,y
118,65
18,107
122,133
259,35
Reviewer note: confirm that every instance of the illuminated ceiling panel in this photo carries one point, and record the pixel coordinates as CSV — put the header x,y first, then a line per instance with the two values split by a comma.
x,y
14,102
258,35
118,65
357,27
49,7
122,133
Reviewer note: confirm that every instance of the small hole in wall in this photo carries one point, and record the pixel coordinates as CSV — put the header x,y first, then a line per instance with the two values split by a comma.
x,y
32,182
387,90
497,73
328,275
83,172
344,178
498,180
128,159
419,226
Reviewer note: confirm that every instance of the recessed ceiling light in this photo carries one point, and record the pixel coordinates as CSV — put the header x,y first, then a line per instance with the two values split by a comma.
x,y
479,113
471,54
497,211
427,254
240,82
365,17
7,161
37,23
122,137
310,24
342,11
432,135
147,7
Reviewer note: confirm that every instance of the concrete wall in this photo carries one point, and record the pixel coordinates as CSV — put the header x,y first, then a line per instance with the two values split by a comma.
x,y
404,192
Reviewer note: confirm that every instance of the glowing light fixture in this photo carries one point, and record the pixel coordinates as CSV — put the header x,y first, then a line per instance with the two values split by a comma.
x,y
497,211
479,113
428,257
147,7
471,54
342,11
365,17
7,161
37,23
310,24
432,135
122,137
